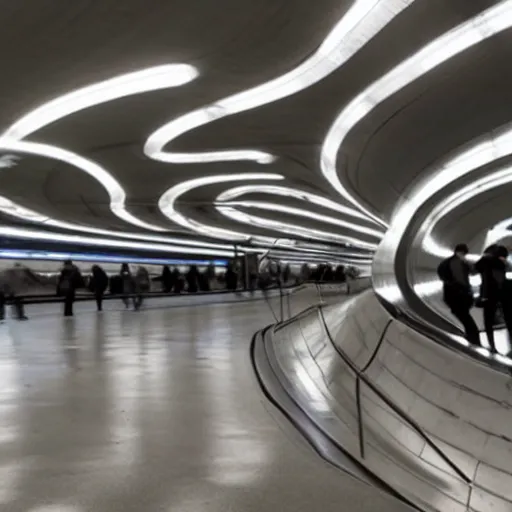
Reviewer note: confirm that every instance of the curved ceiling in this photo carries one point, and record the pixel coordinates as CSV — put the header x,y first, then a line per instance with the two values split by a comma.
x,y
238,121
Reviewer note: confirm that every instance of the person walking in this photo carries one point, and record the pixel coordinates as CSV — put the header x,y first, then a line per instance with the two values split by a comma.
x,y
99,284
69,280
127,284
457,293
494,292
142,286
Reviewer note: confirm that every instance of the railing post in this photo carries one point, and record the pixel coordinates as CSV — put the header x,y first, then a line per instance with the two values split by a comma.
x,y
360,417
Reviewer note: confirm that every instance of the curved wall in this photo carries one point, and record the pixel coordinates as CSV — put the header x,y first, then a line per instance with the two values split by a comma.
x,y
436,425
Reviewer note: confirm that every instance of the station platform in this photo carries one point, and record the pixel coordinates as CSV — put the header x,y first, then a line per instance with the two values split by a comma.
x,y
154,410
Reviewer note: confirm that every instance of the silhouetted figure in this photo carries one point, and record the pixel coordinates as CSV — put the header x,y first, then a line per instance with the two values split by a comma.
x,y
211,276
204,281
14,282
69,280
457,293
494,292
142,286
167,279
177,281
305,273
231,278
98,285
192,278
339,274
127,284
286,273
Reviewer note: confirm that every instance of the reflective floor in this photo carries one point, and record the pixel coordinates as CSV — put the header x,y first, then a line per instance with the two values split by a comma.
x,y
156,410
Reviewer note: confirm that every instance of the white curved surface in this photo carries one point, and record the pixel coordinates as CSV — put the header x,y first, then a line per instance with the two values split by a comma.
x,y
138,82
291,229
361,22
167,204
11,208
478,29
300,212
461,404
295,193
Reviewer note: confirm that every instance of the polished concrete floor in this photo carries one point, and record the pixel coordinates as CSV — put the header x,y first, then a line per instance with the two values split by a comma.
x,y
156,410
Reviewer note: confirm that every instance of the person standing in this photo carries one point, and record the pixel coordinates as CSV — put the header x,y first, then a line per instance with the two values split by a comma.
x,y
69,281
494,293
142,286
457,293
99,284
127,284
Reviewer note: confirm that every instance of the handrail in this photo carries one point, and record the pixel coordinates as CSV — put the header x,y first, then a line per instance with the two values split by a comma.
x,y
390,404
281,325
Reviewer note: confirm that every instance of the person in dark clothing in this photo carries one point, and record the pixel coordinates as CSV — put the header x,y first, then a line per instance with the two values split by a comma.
x,y
192,278
69,280
142,283
492,268
128,285
177,281
98,285
167,279
204,281
231,278
457,293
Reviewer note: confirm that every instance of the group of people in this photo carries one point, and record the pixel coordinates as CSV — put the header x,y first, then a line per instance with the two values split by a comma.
x,y
495,294
130,286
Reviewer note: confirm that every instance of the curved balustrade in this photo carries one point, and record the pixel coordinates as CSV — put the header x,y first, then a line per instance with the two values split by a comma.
x,y
432,423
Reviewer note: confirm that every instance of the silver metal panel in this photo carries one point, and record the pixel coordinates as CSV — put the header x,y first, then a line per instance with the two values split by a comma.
x,y
451,415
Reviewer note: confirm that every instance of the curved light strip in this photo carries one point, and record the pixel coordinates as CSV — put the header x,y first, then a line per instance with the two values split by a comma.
x,y
30,234
303,213
150,79
470,33
236,192
110,184
168,200
360,23
292,229
13,209
146,80
493,180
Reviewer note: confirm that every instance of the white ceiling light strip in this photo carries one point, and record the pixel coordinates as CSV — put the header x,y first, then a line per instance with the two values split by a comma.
x,y
496,145
8,231
493,180
146,80
291,229
303,213
294,193
167,204
470,33
9,207
150,79
360,23
110,184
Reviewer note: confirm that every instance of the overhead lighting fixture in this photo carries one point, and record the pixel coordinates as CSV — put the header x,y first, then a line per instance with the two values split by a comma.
x,y
303,213
496,179
167,203
359,24
470,33
291,229
8,161
110,184
29,234
294,193
9,207
146,80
